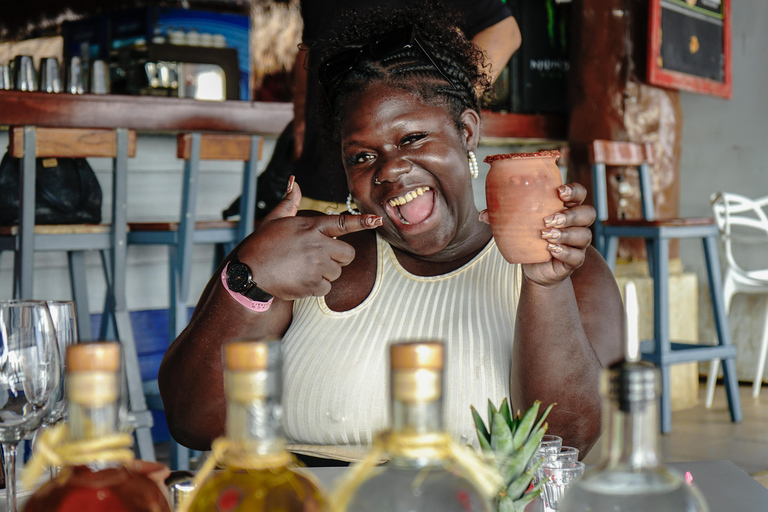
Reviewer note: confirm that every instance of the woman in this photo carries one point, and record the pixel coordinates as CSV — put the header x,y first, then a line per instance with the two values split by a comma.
x,y
402,90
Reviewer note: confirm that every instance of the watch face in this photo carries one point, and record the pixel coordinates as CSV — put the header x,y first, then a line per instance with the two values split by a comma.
x,y
238,277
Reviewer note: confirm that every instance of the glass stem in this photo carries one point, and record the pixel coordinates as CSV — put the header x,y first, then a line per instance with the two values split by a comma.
x,y
9,464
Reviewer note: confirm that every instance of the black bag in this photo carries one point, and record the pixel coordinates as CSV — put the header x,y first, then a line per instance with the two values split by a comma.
x,y
272,183
66,191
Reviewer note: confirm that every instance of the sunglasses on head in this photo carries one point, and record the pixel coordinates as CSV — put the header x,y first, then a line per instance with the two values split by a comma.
x,y
337,67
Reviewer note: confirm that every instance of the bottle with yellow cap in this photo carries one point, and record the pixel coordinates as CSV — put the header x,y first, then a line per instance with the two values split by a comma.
x,y
426,469
98,471
259,474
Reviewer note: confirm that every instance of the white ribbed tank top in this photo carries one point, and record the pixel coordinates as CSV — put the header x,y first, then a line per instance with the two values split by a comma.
x,y
336,368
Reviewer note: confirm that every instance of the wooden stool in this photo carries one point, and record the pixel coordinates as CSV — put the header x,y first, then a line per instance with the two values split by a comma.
x,y
657,233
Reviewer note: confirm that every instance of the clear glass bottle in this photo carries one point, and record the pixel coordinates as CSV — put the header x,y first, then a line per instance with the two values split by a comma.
x,y
105,483
417,477
259,474
631,477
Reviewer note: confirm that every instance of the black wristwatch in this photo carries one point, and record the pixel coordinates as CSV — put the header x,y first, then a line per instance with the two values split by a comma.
x,y
240,280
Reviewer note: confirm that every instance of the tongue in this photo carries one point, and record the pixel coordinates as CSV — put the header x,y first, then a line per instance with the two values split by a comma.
x,y
418,209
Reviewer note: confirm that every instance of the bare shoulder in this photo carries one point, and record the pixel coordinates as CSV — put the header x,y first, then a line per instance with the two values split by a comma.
x,y
357,278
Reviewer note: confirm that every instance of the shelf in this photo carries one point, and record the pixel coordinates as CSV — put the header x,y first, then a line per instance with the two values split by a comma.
x,y
143,113
524,127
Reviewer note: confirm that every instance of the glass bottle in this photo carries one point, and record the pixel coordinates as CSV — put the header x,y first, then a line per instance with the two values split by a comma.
x,y
631,477
418,475
258,474
97,480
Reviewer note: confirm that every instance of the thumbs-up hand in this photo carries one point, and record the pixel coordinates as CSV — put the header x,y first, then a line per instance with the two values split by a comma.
x,y
294,257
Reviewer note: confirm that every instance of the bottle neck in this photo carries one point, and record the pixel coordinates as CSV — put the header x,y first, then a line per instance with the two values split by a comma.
x,y
417,412
417,401
254,411
632,435
93,405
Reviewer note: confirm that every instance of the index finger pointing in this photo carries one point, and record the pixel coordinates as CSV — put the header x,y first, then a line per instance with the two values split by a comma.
x,y
338,225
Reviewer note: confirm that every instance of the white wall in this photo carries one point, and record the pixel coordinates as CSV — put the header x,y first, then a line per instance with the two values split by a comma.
x,y
725,148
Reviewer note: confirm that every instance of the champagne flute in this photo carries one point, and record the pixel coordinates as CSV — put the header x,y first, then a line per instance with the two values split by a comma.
x,y
29,378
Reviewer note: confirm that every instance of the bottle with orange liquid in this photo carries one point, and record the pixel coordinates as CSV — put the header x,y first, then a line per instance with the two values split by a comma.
x,y
97,468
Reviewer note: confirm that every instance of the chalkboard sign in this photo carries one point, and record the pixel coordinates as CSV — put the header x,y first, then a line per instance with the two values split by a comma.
x,y
690,45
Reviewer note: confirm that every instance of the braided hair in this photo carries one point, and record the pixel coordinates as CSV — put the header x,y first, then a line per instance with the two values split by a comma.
x,y
409,69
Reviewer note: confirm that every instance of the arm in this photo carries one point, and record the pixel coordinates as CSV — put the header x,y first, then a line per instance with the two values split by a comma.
x,y
290,257
499,41
567,330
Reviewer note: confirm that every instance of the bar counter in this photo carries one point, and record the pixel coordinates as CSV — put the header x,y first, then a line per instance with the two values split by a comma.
x,y
153,114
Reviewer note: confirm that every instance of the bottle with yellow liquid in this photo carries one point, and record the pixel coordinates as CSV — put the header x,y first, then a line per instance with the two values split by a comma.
x,y
98,472
426,470
259,474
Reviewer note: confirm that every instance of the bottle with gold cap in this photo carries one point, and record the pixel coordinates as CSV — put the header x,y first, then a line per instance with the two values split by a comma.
x,y
259,474
426,469
98,471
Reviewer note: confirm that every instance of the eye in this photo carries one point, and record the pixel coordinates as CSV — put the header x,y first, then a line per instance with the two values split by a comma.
x,y
411,138
359,158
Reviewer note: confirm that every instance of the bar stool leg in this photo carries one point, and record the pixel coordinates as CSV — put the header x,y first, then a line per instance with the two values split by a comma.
x,y
24,261
658,259
721,326
611,247
80,293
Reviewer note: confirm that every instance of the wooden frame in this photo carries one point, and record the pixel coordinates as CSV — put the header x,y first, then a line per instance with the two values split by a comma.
x,y
658,75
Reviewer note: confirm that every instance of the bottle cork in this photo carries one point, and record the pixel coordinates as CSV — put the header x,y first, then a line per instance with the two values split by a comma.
x,y
426,355
246,355
101,356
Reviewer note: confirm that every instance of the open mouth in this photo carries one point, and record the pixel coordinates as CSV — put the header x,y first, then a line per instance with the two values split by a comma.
x,y
413,207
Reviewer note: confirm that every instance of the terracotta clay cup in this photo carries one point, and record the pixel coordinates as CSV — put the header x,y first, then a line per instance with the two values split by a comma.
x,y
520,190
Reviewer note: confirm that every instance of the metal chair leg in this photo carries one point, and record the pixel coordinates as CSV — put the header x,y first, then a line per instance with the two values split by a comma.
x,y
721,326
763,354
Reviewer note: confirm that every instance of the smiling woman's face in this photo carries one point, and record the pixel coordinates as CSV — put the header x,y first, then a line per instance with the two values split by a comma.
x,y
419,157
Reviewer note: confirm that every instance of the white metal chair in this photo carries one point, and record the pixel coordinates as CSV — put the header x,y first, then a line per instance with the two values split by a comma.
x,y
743,226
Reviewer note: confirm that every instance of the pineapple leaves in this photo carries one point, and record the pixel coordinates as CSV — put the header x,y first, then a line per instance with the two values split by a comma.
x,y
504,410
501,435
513,441
524,428
482,433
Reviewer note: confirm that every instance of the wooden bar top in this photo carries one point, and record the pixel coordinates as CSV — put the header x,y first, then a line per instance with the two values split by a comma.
x,y
143,113
151,113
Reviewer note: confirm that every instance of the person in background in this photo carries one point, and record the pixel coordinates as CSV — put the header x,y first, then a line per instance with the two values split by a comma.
x,y
487,23
419,262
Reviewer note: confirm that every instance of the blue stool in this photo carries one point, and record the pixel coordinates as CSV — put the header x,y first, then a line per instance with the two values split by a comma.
x,y
31,142
657,233
180,236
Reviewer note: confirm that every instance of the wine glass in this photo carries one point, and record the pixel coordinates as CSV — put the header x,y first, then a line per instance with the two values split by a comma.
x,y
64,320
29,378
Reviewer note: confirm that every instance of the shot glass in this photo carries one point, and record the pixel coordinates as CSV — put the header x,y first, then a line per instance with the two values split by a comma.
x,y
562,454
559,475
549,445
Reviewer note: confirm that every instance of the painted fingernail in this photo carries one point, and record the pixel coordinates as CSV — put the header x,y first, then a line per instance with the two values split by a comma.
x,y
291,180
552,234
557,219
565,191
554,248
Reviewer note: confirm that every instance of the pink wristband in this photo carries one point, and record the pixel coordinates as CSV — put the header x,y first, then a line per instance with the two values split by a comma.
x,y
242,299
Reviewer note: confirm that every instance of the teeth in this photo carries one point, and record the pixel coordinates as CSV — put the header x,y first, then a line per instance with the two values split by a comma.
x,y
408,197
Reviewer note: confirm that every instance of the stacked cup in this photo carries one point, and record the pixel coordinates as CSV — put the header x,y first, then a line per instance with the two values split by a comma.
x,y
560,468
